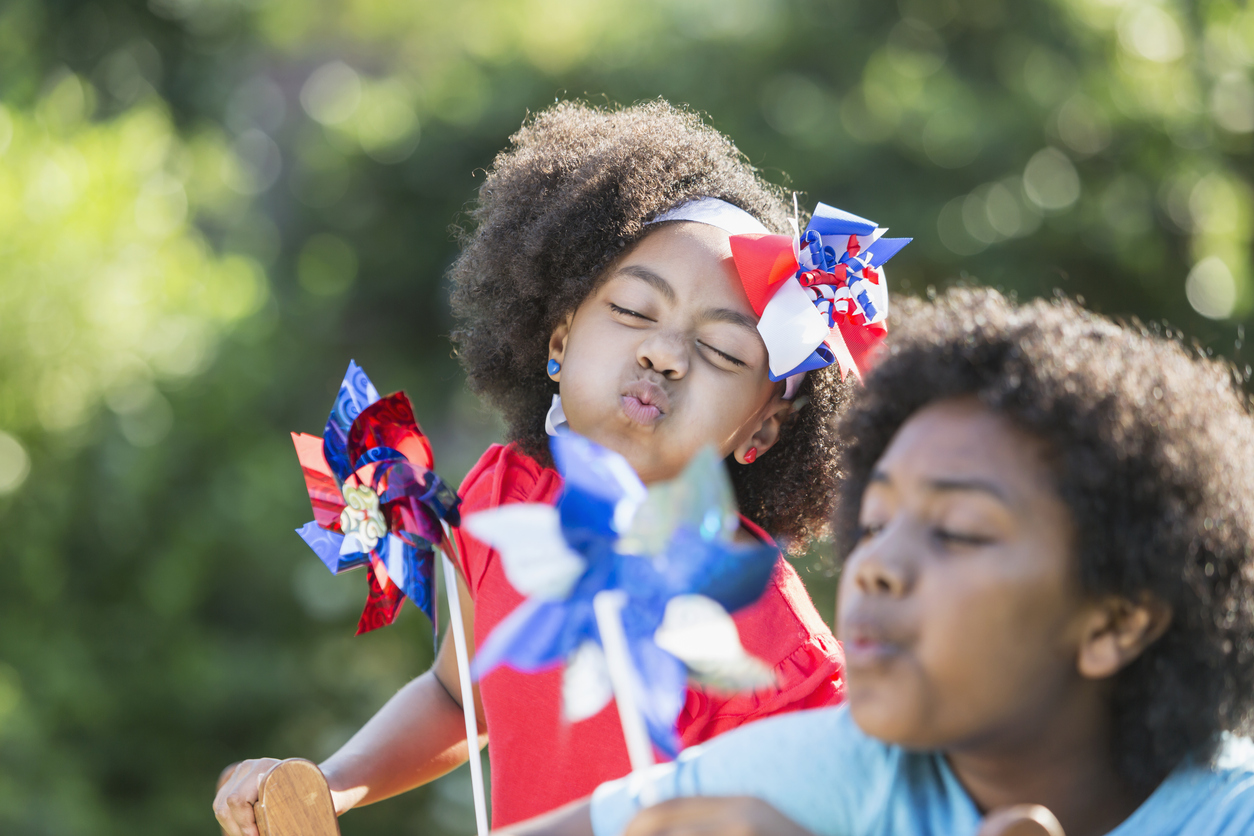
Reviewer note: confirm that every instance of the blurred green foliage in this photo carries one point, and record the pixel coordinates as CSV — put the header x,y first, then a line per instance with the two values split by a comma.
x,y
208,206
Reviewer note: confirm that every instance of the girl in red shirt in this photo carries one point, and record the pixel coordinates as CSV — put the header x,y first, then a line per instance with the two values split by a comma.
x,y
577,310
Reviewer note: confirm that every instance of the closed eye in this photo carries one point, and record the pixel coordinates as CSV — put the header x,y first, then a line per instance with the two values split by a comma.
x,y
953,537
618,309
867,531
724,355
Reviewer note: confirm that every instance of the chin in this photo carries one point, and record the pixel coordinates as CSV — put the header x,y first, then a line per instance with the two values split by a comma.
x,y
883,714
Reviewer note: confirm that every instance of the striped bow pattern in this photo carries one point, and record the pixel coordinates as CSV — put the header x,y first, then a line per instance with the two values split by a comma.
x,y
821,295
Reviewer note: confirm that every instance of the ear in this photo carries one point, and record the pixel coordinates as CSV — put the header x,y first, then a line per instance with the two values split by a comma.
x,y
1118,631
767,433
557,344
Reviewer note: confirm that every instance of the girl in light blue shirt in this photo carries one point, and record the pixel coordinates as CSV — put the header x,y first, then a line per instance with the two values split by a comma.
x,y
1047,597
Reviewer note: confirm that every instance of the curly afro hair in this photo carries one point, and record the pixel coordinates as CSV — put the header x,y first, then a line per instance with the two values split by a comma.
x,y
1150,448
574,192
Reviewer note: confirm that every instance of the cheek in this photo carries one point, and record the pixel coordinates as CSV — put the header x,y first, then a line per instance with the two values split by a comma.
x,y
993,646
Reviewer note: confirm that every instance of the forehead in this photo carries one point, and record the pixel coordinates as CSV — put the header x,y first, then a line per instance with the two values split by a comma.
x,y
961,438
694,258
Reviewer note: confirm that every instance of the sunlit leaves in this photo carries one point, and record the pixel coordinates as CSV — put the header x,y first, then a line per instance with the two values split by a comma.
x,y
107,281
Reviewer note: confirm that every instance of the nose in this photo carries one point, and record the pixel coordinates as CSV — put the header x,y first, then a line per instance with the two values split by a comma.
x,y
666,354
882,566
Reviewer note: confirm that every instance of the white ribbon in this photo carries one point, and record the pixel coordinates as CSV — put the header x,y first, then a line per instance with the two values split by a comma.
x,y
555,422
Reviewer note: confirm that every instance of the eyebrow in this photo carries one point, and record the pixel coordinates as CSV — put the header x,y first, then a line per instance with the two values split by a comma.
x,y
947,485
662,286
650,278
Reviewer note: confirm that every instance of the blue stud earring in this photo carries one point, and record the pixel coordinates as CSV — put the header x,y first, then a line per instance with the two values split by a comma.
x,y
554,367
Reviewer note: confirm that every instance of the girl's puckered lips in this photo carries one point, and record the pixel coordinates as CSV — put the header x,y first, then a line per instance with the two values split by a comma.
x,y
867,644
644,402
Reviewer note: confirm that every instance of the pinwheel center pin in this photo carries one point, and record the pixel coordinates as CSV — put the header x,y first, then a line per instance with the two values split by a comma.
x,y
361,520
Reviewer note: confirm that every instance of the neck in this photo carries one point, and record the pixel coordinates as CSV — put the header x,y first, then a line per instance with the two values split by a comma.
x,y
1067,765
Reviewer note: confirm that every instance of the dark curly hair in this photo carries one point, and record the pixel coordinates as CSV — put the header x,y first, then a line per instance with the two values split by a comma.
x,y
1151,450
574,192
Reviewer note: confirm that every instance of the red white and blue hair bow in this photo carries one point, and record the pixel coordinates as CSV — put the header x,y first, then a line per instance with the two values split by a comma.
x,y
376,501
821,296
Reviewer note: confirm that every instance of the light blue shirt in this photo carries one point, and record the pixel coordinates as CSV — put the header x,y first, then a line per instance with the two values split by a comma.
x,y
819,769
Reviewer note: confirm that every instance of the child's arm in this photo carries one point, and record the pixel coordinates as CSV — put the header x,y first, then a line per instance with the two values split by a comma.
x,y
416,737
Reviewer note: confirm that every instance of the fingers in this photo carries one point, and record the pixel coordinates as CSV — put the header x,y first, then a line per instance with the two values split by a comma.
x,y
670,816
1021,820
233,806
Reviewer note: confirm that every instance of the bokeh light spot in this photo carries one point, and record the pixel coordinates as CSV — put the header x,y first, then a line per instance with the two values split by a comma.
x,y
332,93
386,124
14,468
951,226
1051,181
161,206
1232,103
1211,288
256,163
1149,31
1082,126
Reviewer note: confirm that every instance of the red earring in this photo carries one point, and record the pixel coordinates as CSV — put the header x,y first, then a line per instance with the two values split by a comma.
x,y
751,455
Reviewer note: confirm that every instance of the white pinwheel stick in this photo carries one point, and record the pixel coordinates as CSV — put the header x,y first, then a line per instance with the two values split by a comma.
x,y
608,606
463,674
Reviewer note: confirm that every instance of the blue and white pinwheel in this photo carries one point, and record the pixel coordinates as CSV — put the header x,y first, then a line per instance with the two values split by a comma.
x,y
668,548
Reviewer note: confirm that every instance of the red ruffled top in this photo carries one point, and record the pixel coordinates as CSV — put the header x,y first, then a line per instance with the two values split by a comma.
x,y
539,761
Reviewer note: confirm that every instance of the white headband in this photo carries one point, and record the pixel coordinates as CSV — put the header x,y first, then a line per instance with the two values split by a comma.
x,y
710,210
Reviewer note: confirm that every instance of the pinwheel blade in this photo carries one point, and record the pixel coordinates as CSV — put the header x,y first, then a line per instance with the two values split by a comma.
x,y
700,633
700,499
329,546
388,423
534,555
663,683
356,393
733,574
324,491
531,638
586,687
602,491
382,604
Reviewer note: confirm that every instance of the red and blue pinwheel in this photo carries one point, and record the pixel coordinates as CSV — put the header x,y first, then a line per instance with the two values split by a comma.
x,y
376,501
668,548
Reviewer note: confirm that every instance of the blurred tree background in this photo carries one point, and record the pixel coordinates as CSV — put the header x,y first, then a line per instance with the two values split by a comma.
x,y
208,206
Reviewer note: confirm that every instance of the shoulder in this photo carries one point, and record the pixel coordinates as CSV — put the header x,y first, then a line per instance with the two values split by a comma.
x,y
815,741
505,474
502,476
1211,800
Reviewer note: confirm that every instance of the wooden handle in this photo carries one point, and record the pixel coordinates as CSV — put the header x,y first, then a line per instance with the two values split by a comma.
x,y
295,801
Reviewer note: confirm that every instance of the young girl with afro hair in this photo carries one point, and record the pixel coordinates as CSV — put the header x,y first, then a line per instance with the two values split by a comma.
x,y
583,304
